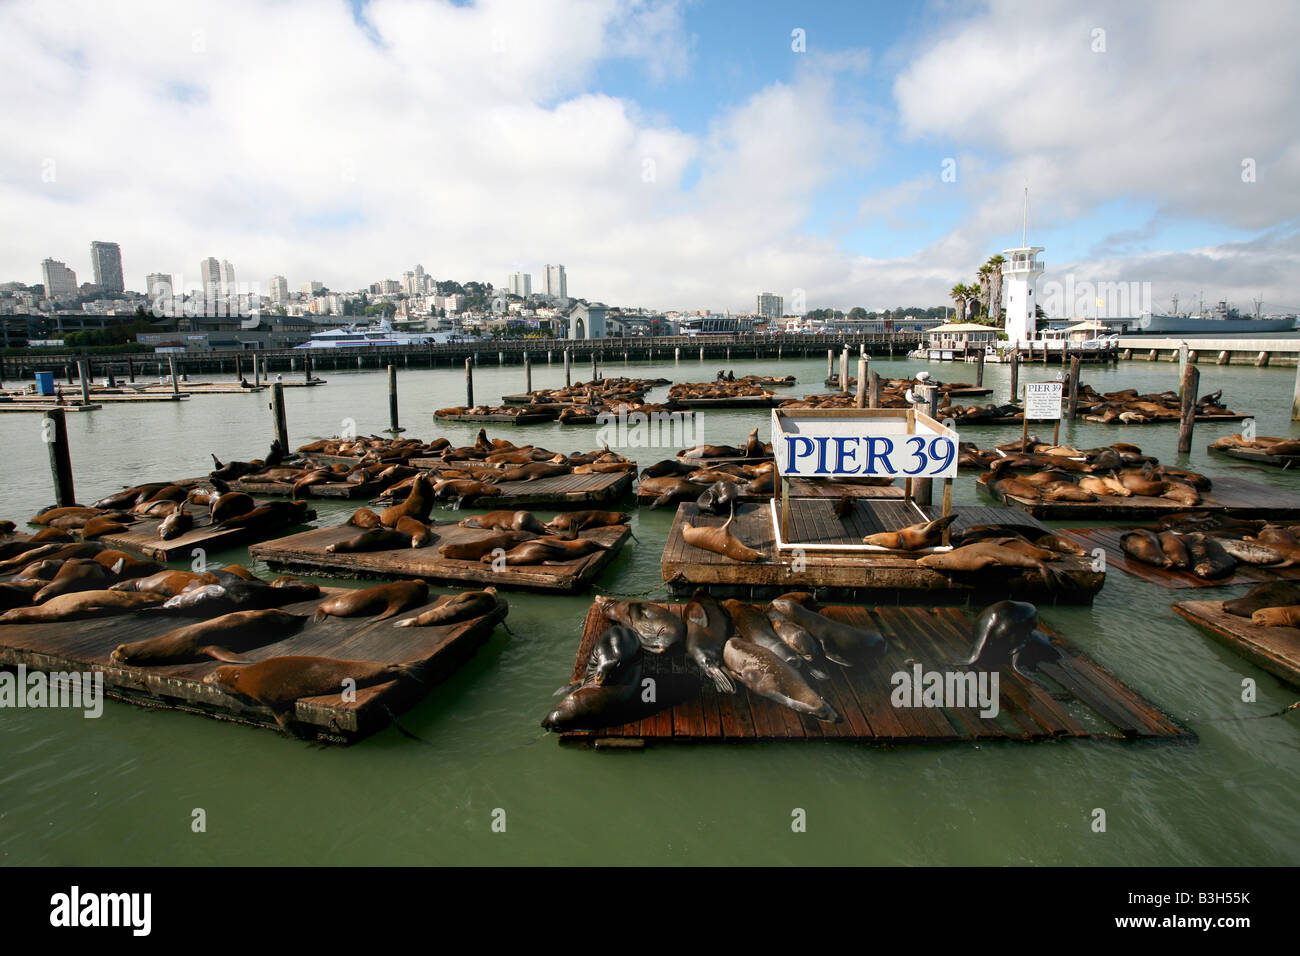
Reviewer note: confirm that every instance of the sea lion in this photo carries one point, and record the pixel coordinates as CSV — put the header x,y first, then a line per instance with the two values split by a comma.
x,y
669,490
1285,616
719,498
720,541
374,539
842,643
575,521
462,607
280,681
128,496
986,554
364,518
666,468
534,470
926,534
46,535
67,511
657,628
1142,544
768,676
547,551
1209,560
269,516
1002,632
1175,549
507,521
593,706
18,593
219,638
712,451
464,490
383,600
101,525
615,651
231,504
421,534
7,527
417,504
53,552
1268,594
81,604
1060,544
175,524
235,594
794,636
1251,551
473,550
707,630
76,574
754,625
165,582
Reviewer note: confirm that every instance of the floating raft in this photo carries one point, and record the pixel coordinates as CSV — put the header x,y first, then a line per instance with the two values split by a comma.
x,y
814,488
860,576
1245,454
963,423
833,381
86,645
1230,495
100,396
284,489
733,401
1108,540
6,406
561,492
305,553
142,536
1074,697
1274,649
524,418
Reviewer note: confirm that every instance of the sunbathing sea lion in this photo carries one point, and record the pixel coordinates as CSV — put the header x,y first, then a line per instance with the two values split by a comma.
x,y
473,550
373,539
669,490
842,643
707,629
175,524
667,468
712,451
47,535
507,521
719,498
53,552
228,505
81,604
926,534
1284,616
462,607
534,470
765,674
657,628
755,626
128,496
1005,635
612,655
100,525
68,511
549,550
279,682
219,638
1268,594
720,541
1142,544
753,447
593,706
1209,560
1175,549
383,600
364,518
18,593
983,555
165,582
76,574
233,593
1060,544
575,521
421,534
269,516
761,485
465,490
417,504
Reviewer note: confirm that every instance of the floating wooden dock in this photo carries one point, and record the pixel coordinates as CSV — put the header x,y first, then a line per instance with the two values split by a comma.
x,y
117,398
1274,649
860,576
142,536
964,423
560,492
1230,495
284,489
833,381
523,418
814,488
1108,540
86,645
1073,697
1256,457
305,553
43,408
732,401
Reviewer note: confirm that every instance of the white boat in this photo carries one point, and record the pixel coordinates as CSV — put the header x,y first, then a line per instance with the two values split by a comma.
x,y
380,333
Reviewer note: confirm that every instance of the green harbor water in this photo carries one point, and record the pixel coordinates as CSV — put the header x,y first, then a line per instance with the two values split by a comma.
x,y
122,789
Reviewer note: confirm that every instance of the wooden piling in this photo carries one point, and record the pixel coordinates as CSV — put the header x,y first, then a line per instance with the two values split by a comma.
x,y
1189,386
923,488
844,370
1015,374
56,436
239,367
469,380
83,371
568,380
830,362
979,367
873,389
528,373
257,370
1223,357
1074,387
594,375
1295,400
281,420
393,425
861,401
1261,361
171,371
130,369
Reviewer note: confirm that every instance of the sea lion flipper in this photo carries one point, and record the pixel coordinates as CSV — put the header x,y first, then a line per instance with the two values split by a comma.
x,y
219,653
721,680
567,689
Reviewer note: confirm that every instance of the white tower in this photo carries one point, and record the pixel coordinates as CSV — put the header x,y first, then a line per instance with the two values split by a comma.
x,y
1019,274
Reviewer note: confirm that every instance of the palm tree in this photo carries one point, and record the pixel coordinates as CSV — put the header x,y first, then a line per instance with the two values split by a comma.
x,y
958,295
985,287
995,298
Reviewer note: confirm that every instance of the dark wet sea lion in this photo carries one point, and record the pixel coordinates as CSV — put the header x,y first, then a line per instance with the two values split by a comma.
x,y
1268,594
473,550
81,604
207,600
593,706
720,540
280,681
231,504
842,643
8,527
269,516
219,638
925,534
755,626
383,600
76,574
794,636
175,524
1284,616
665,468
1001,631
707,629
765,674
18,593
375,539
462,607
719,498
165,582
655,626
1143,544
1209,560
615,651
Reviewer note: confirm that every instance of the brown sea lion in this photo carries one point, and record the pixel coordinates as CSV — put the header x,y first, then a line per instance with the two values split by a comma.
x,y
575,521
175,524
707,628
374,539
982,555
1142,544
169,583
1064,491
68,511
1060,544
793,636
219,638
383,600
269,516
99,526
754,625
712,451
47,535
844,644
761,485
364,518
720,541
53,552
473,550
76,574
465,490
1284,616
17,593
129,496
462,607
506,521
545,551
669,490
656,627
280,681
763,673
126,566
1268,594
82,604
534,470
421,534
926,534
417,504
1175,550
231,504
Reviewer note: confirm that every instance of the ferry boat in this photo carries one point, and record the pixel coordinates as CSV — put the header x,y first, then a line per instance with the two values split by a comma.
x,y
380,333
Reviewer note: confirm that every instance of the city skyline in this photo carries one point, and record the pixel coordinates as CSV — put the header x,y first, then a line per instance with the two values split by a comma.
x,y
678,155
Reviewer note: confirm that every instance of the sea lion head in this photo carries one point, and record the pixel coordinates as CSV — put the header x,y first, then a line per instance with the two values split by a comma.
x,y
224,678
1001,629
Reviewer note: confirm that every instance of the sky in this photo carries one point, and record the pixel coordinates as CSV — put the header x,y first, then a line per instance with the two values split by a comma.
x,y
670,153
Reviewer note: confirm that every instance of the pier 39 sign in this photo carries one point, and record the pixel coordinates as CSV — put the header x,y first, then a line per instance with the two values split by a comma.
x,y
861,443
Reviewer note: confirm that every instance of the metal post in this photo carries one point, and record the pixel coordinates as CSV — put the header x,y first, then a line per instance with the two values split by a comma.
x,y
56,436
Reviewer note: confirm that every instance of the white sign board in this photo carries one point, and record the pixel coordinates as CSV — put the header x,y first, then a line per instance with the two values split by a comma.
x,y
1043,400
807,446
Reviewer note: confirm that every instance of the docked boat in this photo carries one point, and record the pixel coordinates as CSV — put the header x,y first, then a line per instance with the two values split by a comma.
x,y
379,333
1219,321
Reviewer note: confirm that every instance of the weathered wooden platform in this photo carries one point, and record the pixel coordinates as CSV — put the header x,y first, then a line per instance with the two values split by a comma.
x,y
142,536
717,462
879,577
833,381
86,646
305,553
524,418
284,489
45,407
734,401
1108,540
1074,697
818,488
560,493
1230,495
963,423
1274,649
1256,457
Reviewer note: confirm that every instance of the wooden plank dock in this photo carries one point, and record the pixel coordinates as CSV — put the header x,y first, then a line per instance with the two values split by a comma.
x,y
879,577
560,492
1074,697
1230,495
813,488
86,645
6,406
305,553
284,489
1256,457
732,401
1274,649
964,423
523,418
142,536
1108,540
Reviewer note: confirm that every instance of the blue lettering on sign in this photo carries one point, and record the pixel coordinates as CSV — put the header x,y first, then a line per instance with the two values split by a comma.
x,y
918,452
872,455
822,443
793,456
845,457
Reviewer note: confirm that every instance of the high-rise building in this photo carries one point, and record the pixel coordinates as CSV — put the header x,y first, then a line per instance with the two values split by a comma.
x,y
557,284
106,258
158,283
417,282
279,290
227,276
521,283
210,274
311,288
60,281
770,306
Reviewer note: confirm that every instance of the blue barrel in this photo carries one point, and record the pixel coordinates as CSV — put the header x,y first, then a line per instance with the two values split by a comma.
x,y
45,383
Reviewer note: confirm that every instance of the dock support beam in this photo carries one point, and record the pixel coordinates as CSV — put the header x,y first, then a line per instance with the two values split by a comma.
x,y
1074,387
979,368
1188,387
56,436
873,389
393,426
281,421
861,400
1295,400
171,372
1261,361
1223,357
469,382
923,488
528,373
1015,375
568,379
844,370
